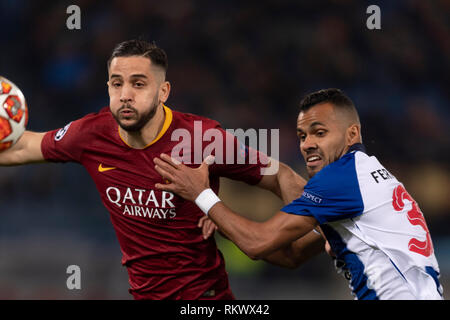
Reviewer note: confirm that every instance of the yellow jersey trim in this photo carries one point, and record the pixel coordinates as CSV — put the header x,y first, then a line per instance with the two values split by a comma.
x,y
166,125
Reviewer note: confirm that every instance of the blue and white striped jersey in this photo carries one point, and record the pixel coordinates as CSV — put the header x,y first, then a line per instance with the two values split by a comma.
x,y
375,228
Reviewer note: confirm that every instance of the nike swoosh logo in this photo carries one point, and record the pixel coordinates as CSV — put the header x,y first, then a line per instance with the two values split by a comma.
x,y
103,169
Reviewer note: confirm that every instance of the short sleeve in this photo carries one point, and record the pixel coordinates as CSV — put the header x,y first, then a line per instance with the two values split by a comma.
x,y
238,161
332,194
65,144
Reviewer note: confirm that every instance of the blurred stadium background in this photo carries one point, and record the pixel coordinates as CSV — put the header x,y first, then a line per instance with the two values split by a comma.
x,y
247,66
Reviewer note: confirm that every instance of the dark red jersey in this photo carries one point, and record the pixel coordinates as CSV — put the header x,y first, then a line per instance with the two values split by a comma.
x,y
163,249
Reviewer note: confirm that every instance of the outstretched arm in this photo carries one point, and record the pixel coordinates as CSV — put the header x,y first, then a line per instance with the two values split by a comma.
x,y
256,239
26,150
290,256
285,183
259,239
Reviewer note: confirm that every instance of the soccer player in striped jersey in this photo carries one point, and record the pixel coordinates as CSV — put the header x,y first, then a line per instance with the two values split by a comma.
x,y
376,230
166,254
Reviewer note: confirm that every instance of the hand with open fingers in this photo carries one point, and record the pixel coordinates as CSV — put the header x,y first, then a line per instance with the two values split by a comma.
x,y
186,182
208,227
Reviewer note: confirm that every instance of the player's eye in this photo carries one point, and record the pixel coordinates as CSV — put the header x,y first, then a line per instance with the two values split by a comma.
x,y
116,84
302,137
139,84
320,133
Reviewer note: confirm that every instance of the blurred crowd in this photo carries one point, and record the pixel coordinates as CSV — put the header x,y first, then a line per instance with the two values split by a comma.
x,y
247,65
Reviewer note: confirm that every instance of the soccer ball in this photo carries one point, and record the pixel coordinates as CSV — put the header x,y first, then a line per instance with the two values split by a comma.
x,y
13,114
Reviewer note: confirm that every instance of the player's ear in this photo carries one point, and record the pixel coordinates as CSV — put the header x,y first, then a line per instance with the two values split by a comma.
x,y
164,91
353,134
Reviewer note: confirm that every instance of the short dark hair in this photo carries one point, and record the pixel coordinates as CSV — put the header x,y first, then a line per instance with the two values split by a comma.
x,y
138,47
332,95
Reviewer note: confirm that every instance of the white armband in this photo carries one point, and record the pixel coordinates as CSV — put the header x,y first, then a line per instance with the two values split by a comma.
x,y
206,199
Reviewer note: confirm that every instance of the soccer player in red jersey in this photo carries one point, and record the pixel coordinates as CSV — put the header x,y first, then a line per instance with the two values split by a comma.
x,y
164,250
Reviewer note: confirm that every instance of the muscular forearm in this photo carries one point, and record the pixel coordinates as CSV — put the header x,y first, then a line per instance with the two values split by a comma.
x,y
259,239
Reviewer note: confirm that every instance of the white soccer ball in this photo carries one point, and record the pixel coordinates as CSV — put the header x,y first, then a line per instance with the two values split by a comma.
x,y
13,114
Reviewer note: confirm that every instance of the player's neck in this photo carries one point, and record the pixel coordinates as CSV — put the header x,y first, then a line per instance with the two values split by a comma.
x,y
142,138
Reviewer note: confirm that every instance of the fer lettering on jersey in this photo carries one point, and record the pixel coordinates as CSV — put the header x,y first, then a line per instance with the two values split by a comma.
x,y
381,174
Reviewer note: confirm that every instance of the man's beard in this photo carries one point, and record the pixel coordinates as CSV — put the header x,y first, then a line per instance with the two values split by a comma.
x,y
141,119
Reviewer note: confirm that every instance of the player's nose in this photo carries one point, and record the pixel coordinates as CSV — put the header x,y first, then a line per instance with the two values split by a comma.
x,y
308,144
126,94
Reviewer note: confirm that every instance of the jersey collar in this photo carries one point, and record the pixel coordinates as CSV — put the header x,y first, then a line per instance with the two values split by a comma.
x,y
357,147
